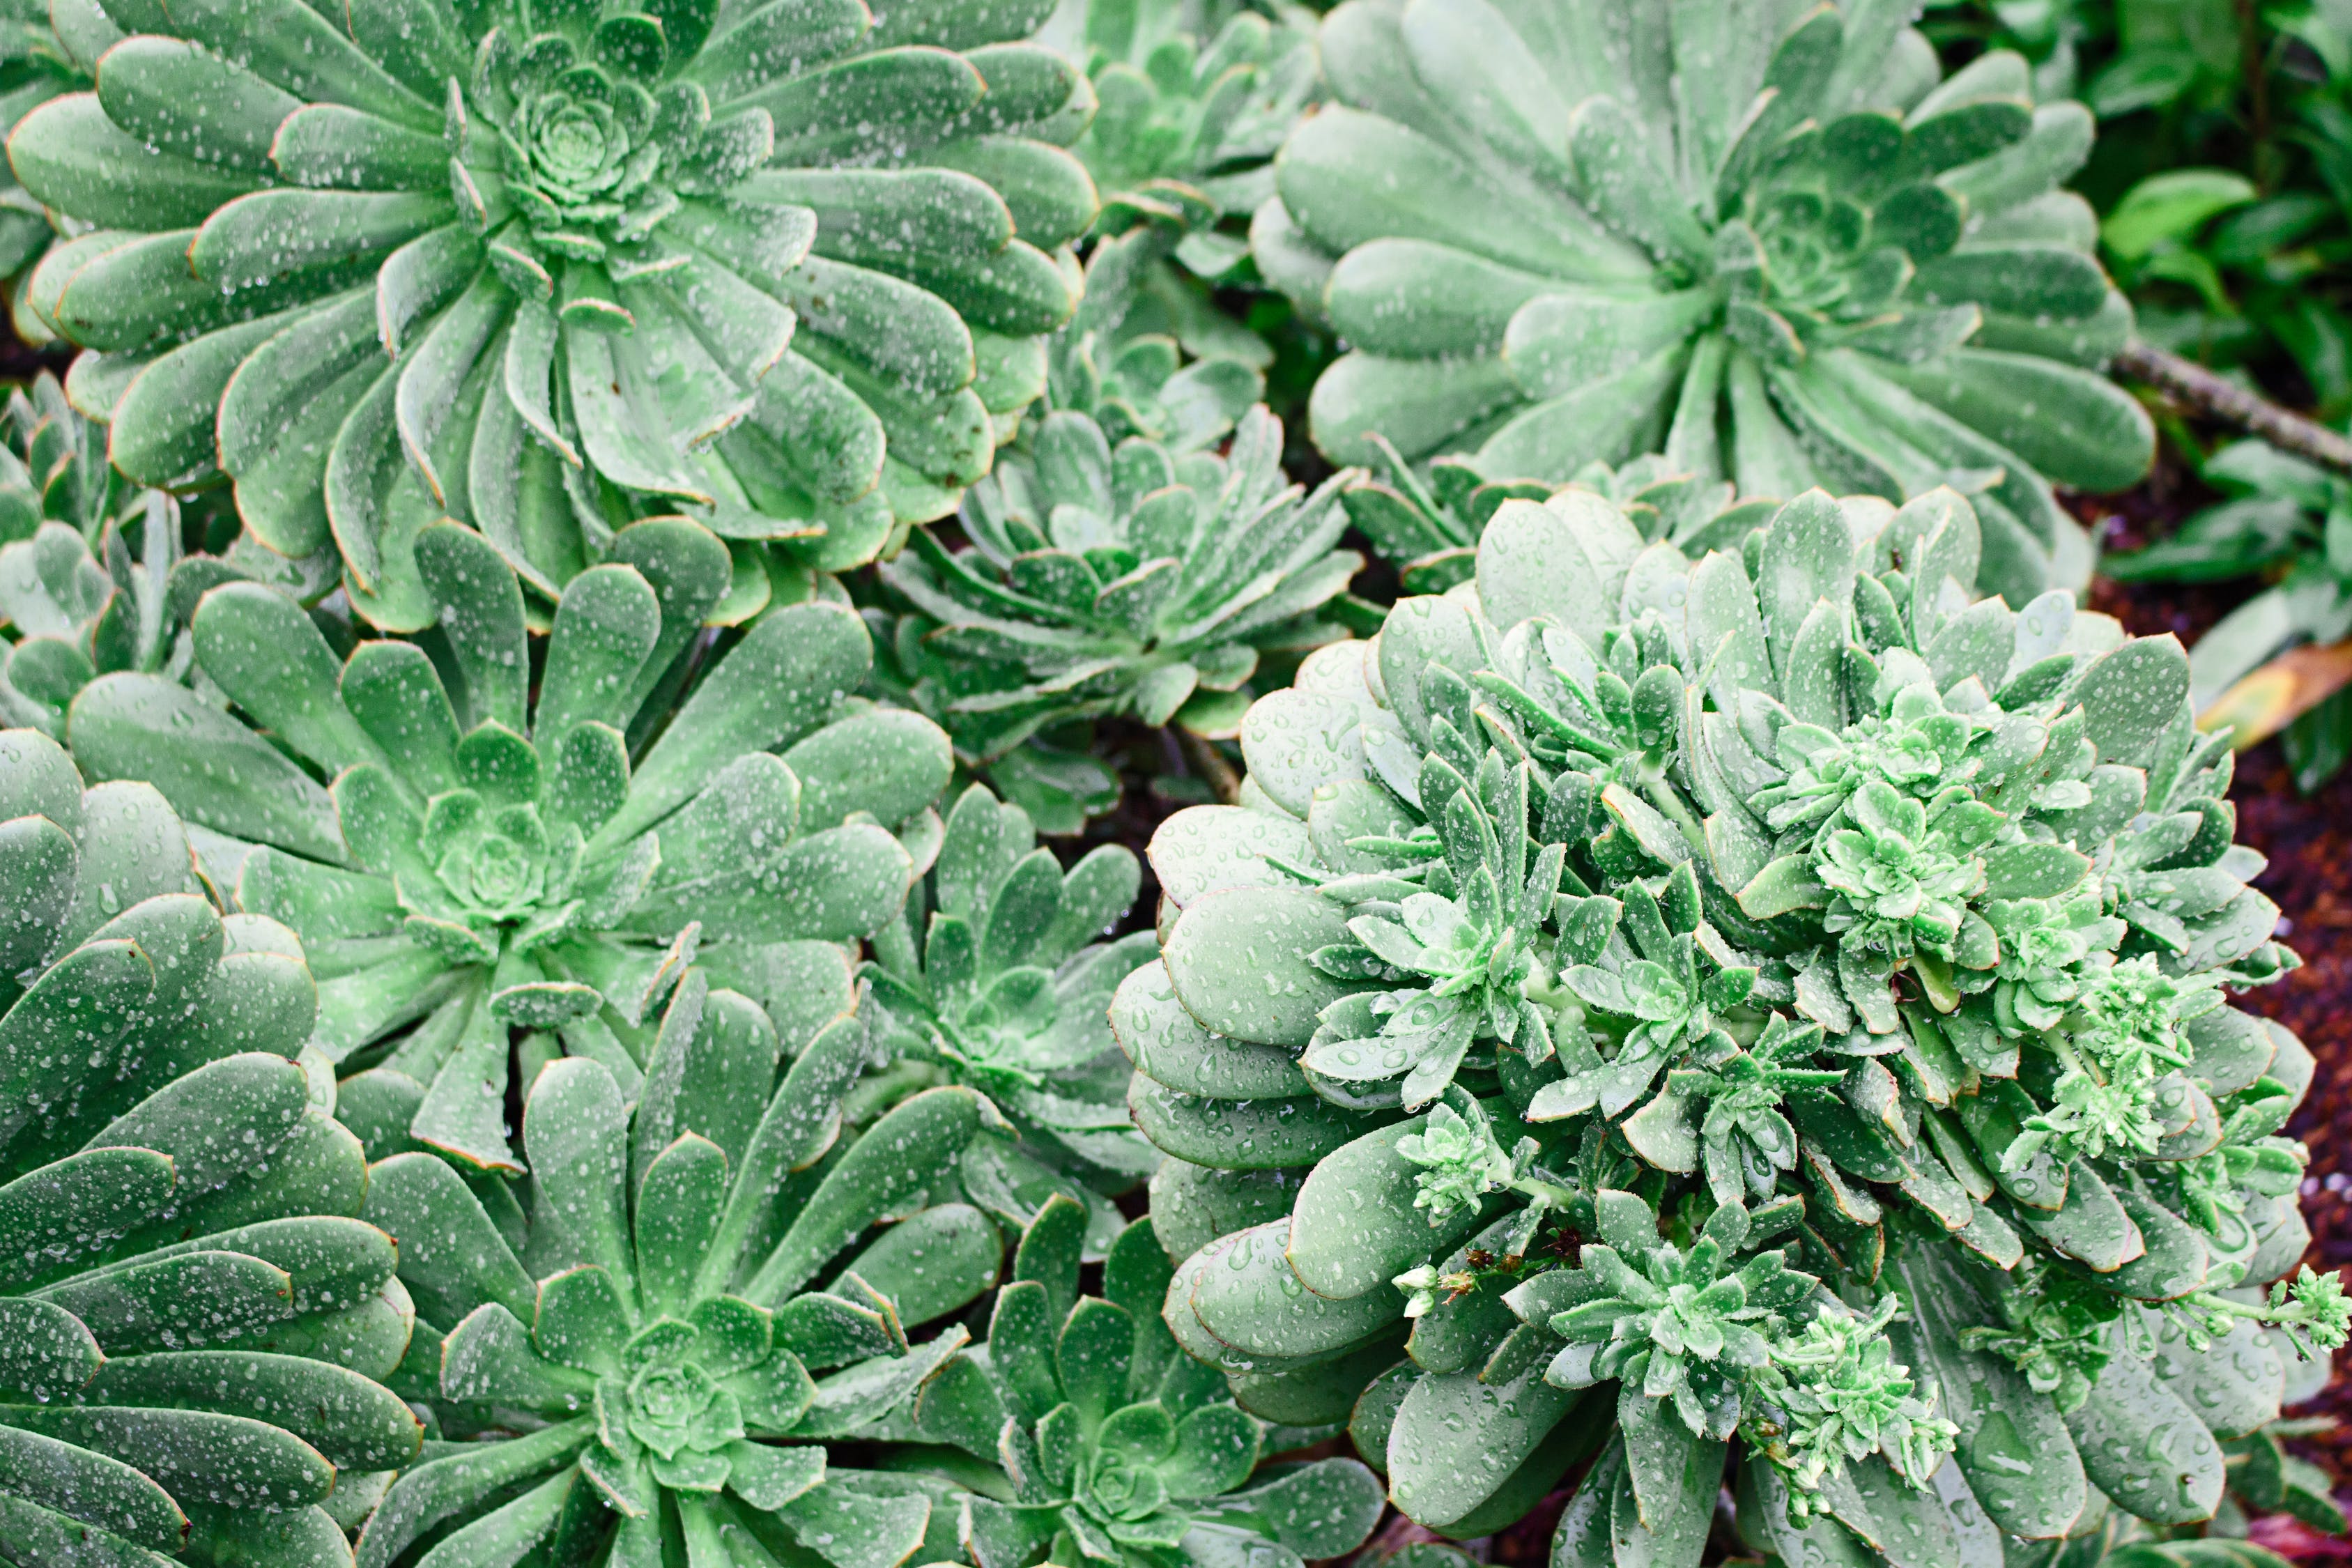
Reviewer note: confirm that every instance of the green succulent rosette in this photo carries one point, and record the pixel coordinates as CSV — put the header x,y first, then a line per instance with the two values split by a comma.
x,y
1758,1020
46,51
993,977
1197,95
1106,581
191,1315
1193,103
467,852
646,1369
1781,249
96,574
75,598
1123,360
1428,523
549,270
1079,1433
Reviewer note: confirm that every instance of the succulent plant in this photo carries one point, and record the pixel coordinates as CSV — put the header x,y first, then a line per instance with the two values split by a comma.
x,y
1781,252
461,860
97,575
550,270
992,978
648,1398
1192,104
2283,518
1885,1116
2263,1479
72,601
1207,111
1126,581
45,51
190,1318
1098,1442
1121,360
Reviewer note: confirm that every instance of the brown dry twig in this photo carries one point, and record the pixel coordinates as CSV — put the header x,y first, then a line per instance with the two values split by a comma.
x,y
1211,764
2193,384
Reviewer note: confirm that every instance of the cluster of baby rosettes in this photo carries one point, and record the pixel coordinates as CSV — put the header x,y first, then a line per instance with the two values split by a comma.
x,y
1791,897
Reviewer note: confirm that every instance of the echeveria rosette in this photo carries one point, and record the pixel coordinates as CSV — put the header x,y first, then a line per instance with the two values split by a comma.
x,y
93,572
1460,1158
1122,361
1193,103
1467,932
547,270
1776,248
45,51
1098,1442
1699,733
461,859
1705,1343
993,977
1427,523
1207,113
1726,1344
192,1318
1652,1001
667,1382
1115,581
97,575
1745,1140
1835,1393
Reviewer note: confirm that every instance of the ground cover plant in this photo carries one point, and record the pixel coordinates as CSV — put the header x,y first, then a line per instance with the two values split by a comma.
x,y
1620,983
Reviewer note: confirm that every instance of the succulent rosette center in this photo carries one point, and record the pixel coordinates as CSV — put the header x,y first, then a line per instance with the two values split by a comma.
x,y
590,157
993,1035
1899,883
496,869
672,1408
573,149
1119,1488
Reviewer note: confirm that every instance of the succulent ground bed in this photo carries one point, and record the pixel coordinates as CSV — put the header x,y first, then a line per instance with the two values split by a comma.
x,y
2303,836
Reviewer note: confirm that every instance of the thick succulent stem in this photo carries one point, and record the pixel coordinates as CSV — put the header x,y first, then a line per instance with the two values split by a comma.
x,y
1211,764
2208,394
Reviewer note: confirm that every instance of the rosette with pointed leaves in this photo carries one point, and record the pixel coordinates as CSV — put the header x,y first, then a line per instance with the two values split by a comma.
x,y
992,977
1775,247
1121,360
650,1396
1100,1443
1122,580
1193,103
1465,934
73,602
96,574
190,1318
1429,525
550,269
2013,1098
1206,112
460,859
